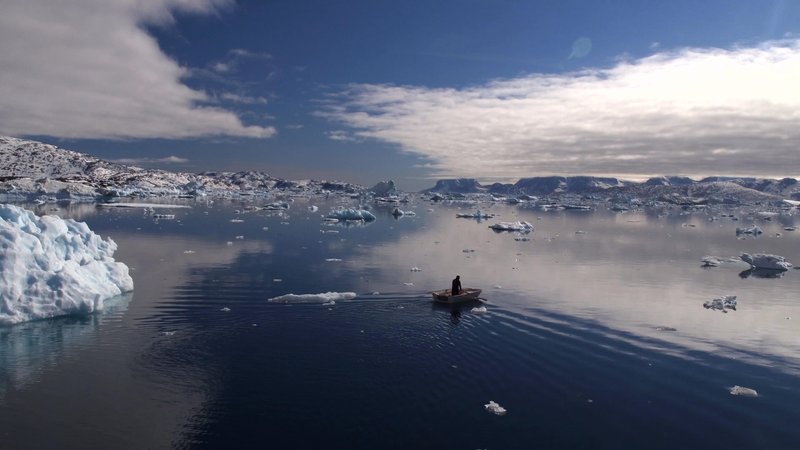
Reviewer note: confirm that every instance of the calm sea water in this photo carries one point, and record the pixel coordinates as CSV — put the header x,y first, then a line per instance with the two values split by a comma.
x,y
595,336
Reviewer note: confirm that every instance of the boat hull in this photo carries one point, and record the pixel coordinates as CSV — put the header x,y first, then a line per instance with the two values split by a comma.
x,y
467,295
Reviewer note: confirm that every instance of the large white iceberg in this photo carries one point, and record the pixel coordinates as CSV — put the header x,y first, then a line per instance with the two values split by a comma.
x,y
52,267
325,297
766,261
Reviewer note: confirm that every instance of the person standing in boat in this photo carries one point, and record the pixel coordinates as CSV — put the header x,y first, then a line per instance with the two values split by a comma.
x,y
456,289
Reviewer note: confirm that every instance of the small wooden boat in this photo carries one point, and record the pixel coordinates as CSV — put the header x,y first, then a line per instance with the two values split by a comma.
x,y
466,295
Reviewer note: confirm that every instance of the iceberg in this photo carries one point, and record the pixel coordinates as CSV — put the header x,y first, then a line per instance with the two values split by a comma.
x,y
476,215
351,214
755,230
324,297
523,226
495,408
744,391
52,267
725,303
766,261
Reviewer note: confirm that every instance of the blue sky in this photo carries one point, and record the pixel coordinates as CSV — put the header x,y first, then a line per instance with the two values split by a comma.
x,y
414,90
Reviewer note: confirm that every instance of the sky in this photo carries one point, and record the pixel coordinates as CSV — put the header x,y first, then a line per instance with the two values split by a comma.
x,y
413,91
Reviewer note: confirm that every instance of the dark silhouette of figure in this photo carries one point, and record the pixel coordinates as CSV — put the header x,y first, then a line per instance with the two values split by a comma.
x,y
456,289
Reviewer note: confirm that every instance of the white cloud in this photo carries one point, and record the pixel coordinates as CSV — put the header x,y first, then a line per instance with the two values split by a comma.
x,y
340,135
670,113
88,69
244,99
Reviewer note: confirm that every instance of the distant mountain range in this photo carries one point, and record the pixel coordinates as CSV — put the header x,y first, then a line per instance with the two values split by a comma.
x,y
34,171
556,185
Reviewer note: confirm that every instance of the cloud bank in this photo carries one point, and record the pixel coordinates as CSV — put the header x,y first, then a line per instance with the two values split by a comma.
x,y
88,69
691,111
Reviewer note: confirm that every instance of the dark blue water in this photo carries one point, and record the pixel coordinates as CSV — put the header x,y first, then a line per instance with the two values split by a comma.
x,y
592,340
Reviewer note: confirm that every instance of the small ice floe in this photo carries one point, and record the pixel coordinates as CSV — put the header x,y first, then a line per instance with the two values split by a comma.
x,y
743,391
277,280
333,259
240,237
497,286
521,225
666,329
330,303
324,297
188,252
580,232
755,230
766,261
725,303
351,214
495,408
376,293
522,238
416,269
479,310
225,309
277,206
468,250
476,215
790,228
236,221
409,284
766,215
167,333
313,208
164,216
329,231
410,213
711,261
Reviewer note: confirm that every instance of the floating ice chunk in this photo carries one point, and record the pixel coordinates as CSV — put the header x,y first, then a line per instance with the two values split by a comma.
x,y
188,252
744,391
329,303
168,333
277,280
333,259
754,230
398,212
766,261
512,226
277,206
324,297
468,250
790,228
476,215
409,284
236,221
313,208
164,216
416,269
52,267
711,261
141,205
225,309
351,214
495,408
580,232
479,310
725,303
409,213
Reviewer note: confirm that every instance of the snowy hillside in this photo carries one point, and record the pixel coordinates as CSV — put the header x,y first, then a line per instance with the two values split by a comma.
x,y
31,170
